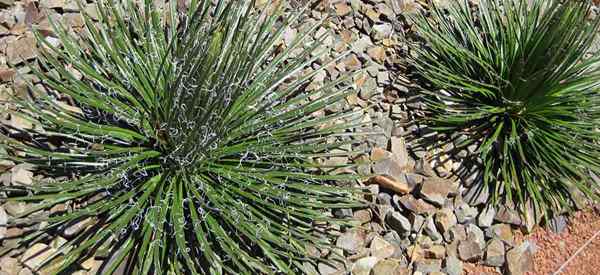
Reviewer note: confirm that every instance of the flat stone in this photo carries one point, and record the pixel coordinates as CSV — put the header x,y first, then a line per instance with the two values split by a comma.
x,y
7,74
352,63
392,184
372,14
469,251
327,269
502,232
494,253
381,31
415,252
435,252
431,231
424,168
52,4
21,50
519,259
351,241
452,248
14,208
9,265
417,221
342,213
476,234
445,219
486,217
35,255
76,228
362,44
477,194
558,224
20,176
384,198
342,9
381,249
508,215
400,152
427,266
453,266
6,3
364,265
362,215
436,190
398,222
412,204
309,269
465,213
377,53
91,264
3,223
389,267
456,232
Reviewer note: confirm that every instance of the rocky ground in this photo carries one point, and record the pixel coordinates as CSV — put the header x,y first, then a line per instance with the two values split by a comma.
x,y
423,219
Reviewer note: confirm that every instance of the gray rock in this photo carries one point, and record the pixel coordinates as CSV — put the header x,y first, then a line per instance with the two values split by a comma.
x,y
508,215
414,180
6,3
398,222
309,269
392,237
436,190
10,265
453,266
435,252
476,234
427,266
412,204
423,167
36,254
368,89
362,44
390,267
558,224
21,50
362,215
465,213
477,194
342,213
14,208
486,217
381,249
351,241
445,219
75,228
431,231
19,175
494,253
469,251
417,221
502,232
364,265
381,31
328,269
520,259
3,222
389,167
400,152
456,232
384,198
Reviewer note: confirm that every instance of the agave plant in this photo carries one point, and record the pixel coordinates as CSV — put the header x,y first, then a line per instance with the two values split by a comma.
x,y
189,146
516,80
